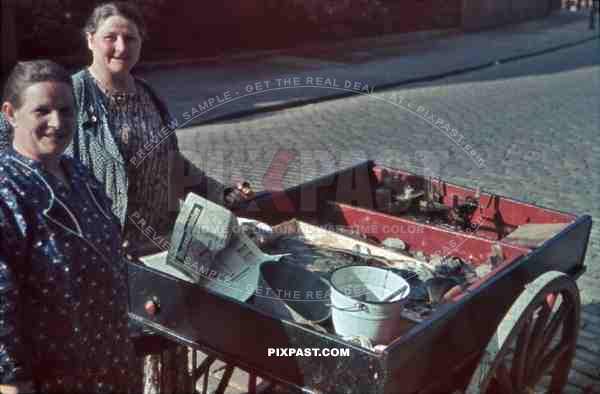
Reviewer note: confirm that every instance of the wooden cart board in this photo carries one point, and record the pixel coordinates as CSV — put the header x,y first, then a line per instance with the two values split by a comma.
x,y
322,236
534,235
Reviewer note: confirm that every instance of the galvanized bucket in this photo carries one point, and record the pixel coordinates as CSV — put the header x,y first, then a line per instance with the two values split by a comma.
x,y
368,301
290,292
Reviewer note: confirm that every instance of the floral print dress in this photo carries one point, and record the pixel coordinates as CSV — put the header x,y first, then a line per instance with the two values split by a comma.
x,y
63,304
146,147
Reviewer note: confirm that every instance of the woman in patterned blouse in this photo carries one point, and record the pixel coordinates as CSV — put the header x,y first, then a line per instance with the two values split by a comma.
x,y
63,283
126,135
127,138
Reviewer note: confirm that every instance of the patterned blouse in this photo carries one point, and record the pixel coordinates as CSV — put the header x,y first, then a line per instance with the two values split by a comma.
x,y
139,132
5,131
63,304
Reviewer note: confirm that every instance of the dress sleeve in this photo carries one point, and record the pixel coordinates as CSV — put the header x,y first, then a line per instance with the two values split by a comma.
x,y
188,178
14,347
106,203
5,133
185,177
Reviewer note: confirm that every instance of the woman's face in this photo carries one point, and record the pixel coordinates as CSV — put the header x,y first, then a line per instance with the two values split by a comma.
x,y
115,45
44,123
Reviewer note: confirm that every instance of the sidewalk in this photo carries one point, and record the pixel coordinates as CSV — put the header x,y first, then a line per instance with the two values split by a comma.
x,y
379,63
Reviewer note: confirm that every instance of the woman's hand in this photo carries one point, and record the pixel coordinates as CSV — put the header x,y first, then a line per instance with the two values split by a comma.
x,y
8,389
19,388
235,195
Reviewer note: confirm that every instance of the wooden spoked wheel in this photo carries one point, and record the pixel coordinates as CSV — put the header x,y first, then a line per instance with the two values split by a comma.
x,y
533,347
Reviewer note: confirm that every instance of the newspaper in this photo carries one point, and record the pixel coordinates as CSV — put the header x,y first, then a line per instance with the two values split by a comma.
x,y
210,248
236,270
202,229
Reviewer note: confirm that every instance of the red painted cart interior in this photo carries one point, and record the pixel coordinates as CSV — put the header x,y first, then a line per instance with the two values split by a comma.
x,y
493,208
349,200
422,237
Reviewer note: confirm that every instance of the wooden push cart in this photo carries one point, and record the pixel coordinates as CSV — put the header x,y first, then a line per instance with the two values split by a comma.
x,y
512,331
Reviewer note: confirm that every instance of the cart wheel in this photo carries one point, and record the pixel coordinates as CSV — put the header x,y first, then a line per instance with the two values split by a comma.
x,y
533,347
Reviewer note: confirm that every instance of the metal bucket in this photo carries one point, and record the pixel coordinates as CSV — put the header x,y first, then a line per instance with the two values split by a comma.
x,y
290,292
368,301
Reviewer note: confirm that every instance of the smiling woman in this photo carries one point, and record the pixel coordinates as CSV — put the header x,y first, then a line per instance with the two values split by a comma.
x,y
114,35
41,111
60,252
119,116
44,121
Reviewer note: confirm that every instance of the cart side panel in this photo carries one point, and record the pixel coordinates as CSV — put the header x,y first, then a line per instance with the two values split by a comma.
x,y
240,334
512,212
497,215
428,239
431,353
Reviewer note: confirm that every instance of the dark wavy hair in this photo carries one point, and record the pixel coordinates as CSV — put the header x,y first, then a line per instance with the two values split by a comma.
x,y
25,74
118,8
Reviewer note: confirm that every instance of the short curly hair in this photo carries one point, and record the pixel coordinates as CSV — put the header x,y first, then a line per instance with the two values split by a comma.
x,y
104,11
